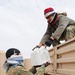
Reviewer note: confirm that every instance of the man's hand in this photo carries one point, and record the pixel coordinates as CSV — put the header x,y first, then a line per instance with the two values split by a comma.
x,y
46,64
36,47
48,42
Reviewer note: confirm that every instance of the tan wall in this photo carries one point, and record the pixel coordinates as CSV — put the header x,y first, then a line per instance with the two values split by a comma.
x,y
2,59
27,64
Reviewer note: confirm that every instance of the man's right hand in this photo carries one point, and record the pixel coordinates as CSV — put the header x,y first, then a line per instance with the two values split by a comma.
x,y
46,64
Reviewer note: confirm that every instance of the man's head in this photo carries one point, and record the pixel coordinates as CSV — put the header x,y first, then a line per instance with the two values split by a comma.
x,y
49,14
11,52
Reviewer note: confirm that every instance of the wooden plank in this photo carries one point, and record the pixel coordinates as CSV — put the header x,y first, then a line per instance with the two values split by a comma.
x,y
55,59
66,60
66,48
66,71
65,43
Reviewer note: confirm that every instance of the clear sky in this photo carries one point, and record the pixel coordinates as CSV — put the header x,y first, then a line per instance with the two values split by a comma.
x,y
22,23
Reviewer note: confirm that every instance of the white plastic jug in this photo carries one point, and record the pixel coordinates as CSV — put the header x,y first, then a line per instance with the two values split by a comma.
x,y
40,56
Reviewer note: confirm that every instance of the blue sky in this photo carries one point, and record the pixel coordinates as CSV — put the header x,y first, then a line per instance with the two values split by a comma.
x,y
22,23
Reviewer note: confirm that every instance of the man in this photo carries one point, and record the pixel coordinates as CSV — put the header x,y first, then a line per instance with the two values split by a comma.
x,y
13,64
60,27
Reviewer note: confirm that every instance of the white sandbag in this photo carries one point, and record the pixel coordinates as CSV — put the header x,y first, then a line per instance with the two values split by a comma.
x,y
40,56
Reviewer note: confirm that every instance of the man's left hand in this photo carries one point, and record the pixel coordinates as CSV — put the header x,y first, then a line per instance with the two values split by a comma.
x,y
48,42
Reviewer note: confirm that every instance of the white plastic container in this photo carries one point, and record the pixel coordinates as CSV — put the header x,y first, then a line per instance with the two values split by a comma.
x,y
40,56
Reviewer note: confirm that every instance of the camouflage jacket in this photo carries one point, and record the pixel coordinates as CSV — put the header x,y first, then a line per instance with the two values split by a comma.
x,y
19,70
58,28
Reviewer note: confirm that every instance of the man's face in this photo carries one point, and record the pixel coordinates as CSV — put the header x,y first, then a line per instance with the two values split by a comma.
x,y
49,19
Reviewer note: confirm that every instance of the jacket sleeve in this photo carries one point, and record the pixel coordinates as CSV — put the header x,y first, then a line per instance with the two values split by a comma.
x,y
63,23
19,70
40,71
46,35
